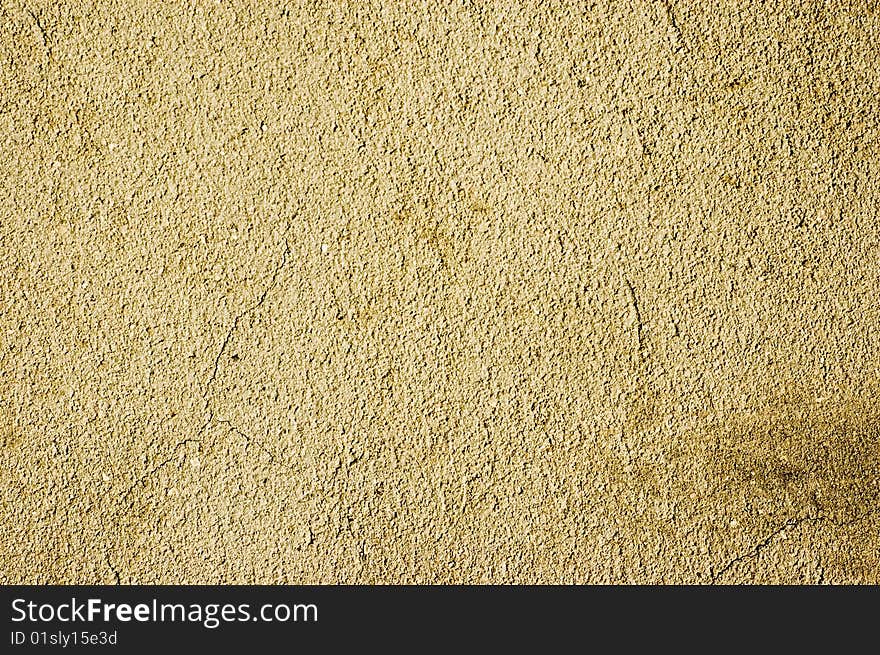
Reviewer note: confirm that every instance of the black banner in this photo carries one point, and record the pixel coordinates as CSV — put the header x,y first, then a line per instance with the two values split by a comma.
x,y
296,619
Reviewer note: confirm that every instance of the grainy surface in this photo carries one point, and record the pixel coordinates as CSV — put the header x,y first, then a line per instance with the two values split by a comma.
x,y
440,292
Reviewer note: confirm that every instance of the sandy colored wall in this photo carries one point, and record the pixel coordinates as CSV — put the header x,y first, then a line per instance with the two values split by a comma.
x,y
440,292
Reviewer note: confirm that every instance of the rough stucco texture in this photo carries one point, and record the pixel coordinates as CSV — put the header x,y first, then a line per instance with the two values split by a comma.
x,y
440,292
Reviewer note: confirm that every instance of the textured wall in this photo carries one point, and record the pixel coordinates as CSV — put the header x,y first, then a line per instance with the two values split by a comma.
x,y
440,292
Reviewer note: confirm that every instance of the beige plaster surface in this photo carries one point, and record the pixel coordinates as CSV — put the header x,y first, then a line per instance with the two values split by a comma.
x,y
439,292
